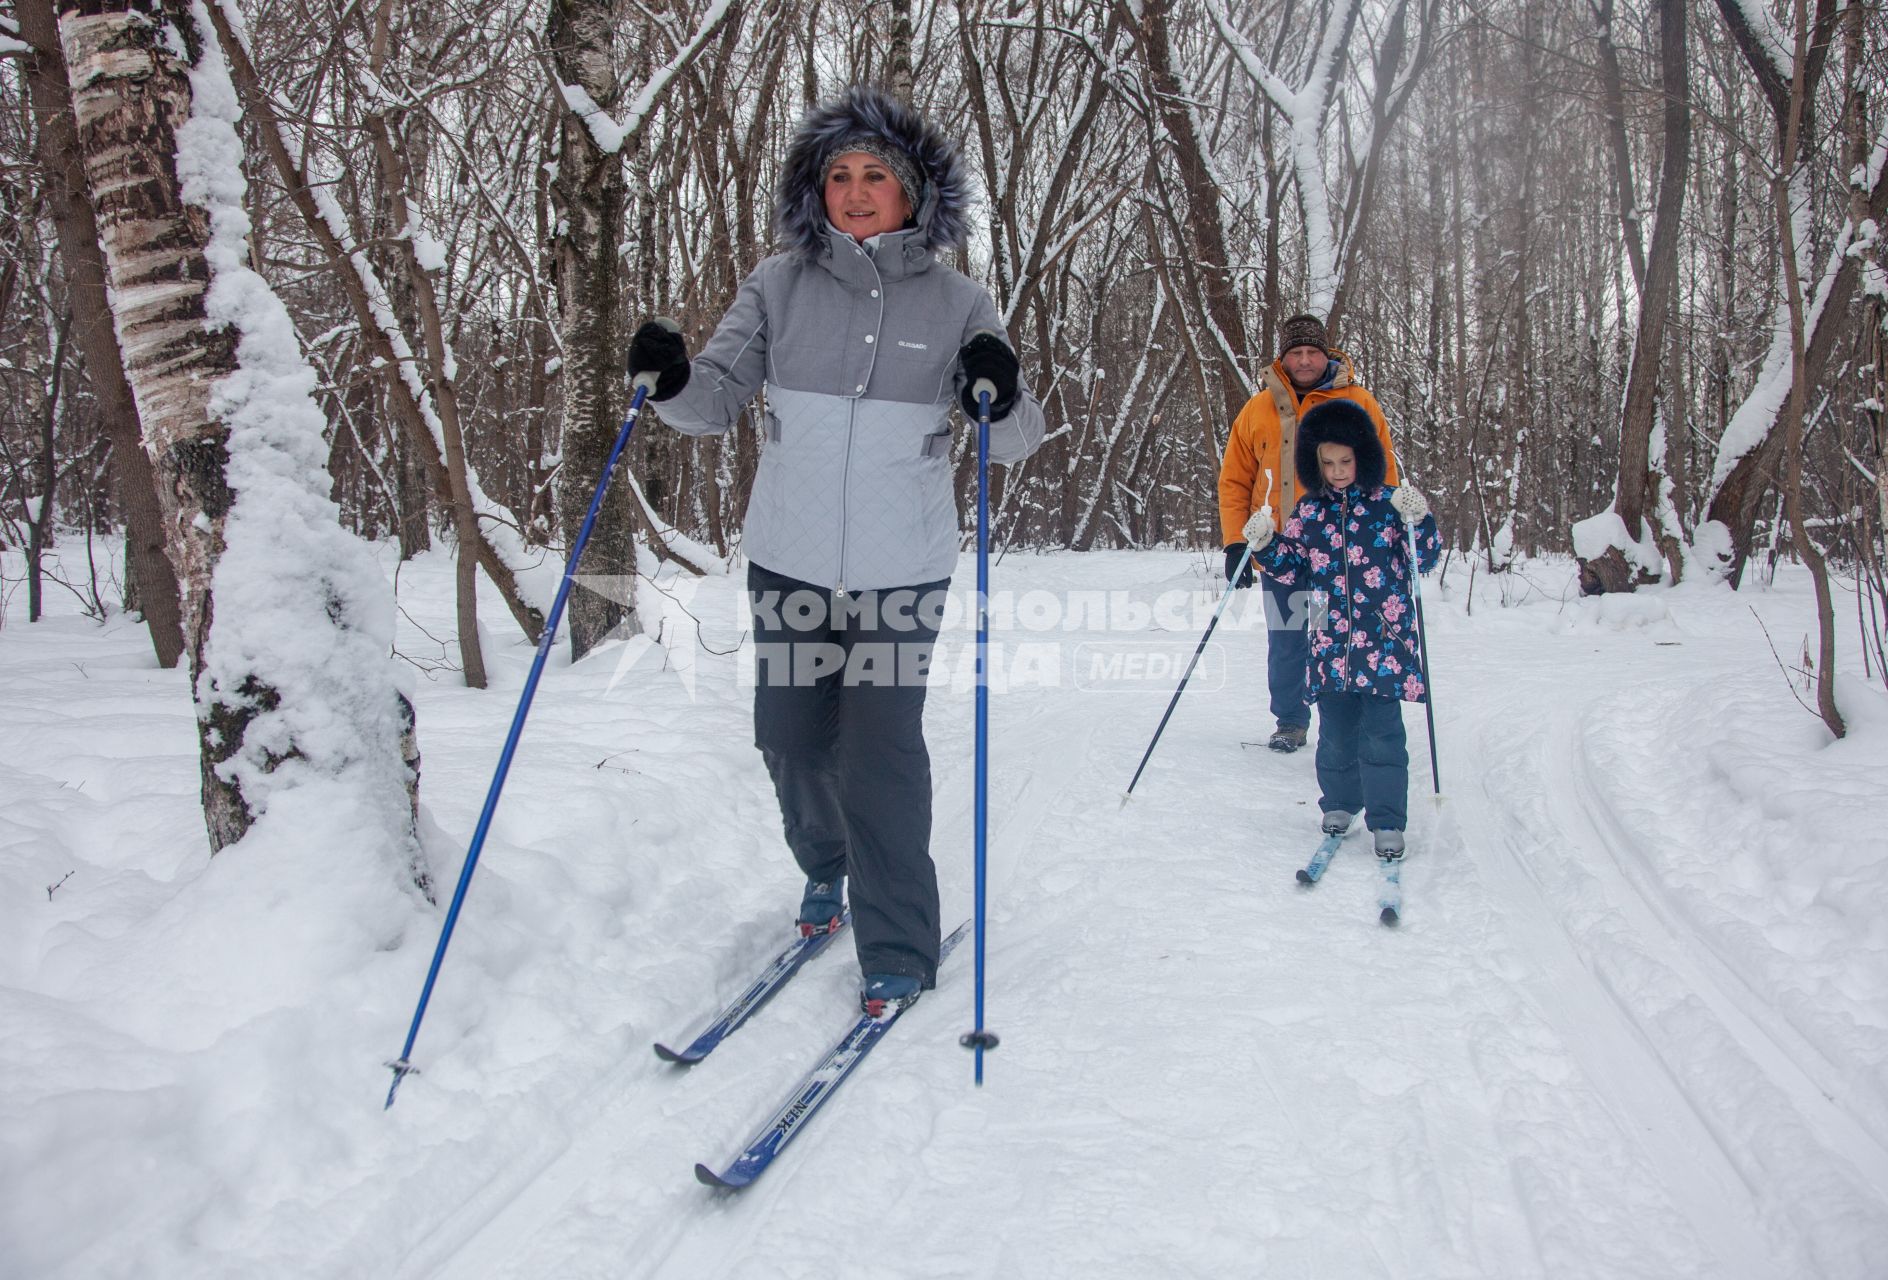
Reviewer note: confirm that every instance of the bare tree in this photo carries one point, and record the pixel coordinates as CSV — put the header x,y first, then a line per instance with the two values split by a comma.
x,y
1790,197
1638,488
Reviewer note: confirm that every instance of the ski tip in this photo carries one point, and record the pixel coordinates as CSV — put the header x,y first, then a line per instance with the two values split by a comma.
x,y
1305,877
678,1057
709,1178
1390,917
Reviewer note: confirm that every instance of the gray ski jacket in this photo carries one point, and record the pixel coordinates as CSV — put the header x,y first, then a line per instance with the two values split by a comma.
x,y
857,353
855,348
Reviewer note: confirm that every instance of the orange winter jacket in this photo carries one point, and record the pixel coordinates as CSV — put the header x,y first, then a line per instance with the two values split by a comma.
x,y
1259,464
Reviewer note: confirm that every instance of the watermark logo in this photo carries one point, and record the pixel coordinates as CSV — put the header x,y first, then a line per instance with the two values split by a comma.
x,y
669,625
1118,641
1130,666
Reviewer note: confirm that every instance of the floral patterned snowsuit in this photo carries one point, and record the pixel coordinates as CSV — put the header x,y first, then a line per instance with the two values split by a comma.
x,y
1351,551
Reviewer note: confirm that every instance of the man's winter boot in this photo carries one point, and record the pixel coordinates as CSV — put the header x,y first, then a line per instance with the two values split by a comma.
x,y
1337,821
1390,845
887,993
1288,737
822,905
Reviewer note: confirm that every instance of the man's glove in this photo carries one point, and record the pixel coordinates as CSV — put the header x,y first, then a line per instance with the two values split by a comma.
x,y
657,349
1410,503
988,356
1259,529
1235,551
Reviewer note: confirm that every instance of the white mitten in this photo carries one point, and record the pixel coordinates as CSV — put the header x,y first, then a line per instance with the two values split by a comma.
x,y
1410,503
1259,529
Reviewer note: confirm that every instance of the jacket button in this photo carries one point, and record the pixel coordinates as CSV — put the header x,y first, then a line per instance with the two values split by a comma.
x,y
868,337
875,293
859,388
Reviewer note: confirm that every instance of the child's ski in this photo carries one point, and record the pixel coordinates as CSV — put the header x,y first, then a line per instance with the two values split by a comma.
x,y
1390,899
1327,849
772,978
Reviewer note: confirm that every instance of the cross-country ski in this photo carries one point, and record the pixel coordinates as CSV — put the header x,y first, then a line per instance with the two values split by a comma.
x,y
812,1092
724,1024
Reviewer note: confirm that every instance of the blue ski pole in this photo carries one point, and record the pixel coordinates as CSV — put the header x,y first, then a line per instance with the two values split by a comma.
x,y
403,1065
981,1038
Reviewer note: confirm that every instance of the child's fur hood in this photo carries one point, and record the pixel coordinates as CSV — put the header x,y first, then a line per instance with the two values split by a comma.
x,y
800,205
1339,422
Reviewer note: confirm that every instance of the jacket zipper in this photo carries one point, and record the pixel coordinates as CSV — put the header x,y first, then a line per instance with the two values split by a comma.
x,y
1350,612
852,419
845,488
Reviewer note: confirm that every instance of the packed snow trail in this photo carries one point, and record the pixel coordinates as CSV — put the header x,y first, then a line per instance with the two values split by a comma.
x,y
1239,1076
1634,1022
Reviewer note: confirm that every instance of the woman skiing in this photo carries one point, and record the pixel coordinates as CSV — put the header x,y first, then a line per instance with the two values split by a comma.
x,y
1347,541
862,340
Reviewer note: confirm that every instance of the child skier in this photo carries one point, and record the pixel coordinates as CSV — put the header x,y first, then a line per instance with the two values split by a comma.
x,y
1347,541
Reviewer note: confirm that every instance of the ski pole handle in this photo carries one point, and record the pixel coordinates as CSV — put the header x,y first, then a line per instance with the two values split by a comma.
x,y
984,391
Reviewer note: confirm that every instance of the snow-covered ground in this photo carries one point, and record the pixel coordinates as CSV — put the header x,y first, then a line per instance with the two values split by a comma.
x,y
1635,1023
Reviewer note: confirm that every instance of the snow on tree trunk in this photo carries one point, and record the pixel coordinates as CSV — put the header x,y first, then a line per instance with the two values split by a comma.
x,y
1750,453
286,616
500,551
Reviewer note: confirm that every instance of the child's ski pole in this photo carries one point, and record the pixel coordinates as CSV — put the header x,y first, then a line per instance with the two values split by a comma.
x,y
1422,648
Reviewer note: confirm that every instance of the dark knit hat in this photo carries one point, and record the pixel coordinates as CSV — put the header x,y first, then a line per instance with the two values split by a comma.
x,y
1303,331
886,153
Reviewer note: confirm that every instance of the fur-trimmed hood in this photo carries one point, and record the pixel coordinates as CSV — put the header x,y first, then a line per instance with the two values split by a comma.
x,y
1339,422
800,205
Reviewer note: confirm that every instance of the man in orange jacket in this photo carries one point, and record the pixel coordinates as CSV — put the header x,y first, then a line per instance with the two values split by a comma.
x,y
1258,471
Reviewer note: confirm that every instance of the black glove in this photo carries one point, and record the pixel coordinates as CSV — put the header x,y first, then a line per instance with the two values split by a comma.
x,y
1234,552
988,356
658,349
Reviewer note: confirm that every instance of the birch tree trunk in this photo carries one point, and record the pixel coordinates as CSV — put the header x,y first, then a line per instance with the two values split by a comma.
x,y
222,390
130,93
590,194
133,481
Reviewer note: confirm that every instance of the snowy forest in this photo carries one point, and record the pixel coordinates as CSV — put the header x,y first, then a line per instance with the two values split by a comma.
x,y
313,327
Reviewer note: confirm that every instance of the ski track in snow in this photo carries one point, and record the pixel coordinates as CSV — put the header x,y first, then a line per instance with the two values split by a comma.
x,y
1607,1041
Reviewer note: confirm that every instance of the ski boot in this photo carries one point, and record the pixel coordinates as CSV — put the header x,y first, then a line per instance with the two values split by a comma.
x,y
1390,845
822,906
1337,821
887,993
1288,737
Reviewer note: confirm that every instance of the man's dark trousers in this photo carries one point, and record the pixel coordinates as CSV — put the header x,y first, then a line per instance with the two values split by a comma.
x,y
1287,650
